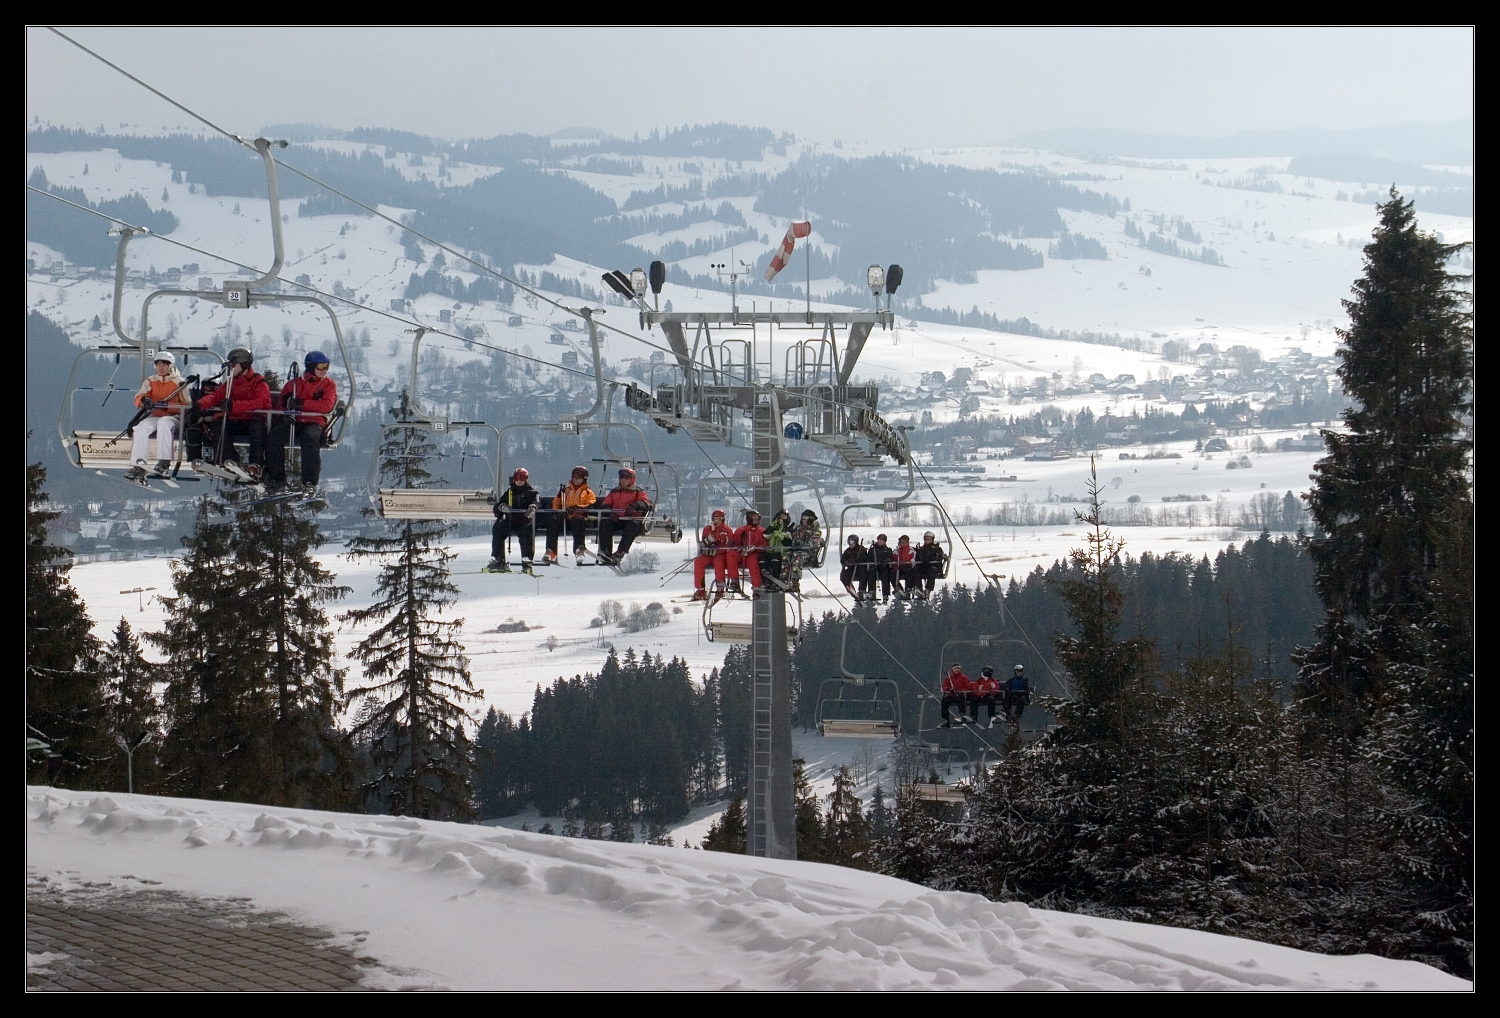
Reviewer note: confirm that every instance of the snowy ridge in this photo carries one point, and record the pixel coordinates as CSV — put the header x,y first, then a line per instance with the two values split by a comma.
x,y
455,906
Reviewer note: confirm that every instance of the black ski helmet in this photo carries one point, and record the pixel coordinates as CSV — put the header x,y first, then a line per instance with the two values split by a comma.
x,y
987,672
808,514
239,355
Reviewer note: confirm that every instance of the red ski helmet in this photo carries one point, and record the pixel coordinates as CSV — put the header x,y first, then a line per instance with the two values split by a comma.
x,y
521,474
718,514
627,475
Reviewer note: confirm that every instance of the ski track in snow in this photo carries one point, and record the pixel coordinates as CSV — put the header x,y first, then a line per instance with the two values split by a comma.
x,y
464,907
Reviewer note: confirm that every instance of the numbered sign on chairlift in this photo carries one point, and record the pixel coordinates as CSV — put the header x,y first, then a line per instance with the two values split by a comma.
x,y
763,398
757,478
626,463
236,295
891,505
567,424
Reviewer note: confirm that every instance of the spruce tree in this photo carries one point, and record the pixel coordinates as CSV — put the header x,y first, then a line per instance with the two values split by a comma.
x,y
846,831
133,711
65,698
809,815
422,760
250,662
1395,486
727,834
1393,499
1106,672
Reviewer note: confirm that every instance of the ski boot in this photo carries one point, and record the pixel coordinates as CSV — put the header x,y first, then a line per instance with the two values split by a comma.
x,y
700,595
137,472
526,567
163,468
497,566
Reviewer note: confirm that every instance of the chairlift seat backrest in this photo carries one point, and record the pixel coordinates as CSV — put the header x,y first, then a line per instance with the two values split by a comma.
x,y
436,504
928,792
98,450
859,729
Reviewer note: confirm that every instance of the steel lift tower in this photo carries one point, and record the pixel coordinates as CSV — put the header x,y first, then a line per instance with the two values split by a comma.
x,y
728,375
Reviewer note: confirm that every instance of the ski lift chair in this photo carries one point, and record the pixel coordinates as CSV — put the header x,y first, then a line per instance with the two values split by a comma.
x,y
858,716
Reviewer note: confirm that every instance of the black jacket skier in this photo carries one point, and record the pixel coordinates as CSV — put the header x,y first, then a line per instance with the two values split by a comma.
x,y
515,513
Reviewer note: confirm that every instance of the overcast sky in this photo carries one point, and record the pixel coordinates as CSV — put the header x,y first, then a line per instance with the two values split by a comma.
x,y
893,87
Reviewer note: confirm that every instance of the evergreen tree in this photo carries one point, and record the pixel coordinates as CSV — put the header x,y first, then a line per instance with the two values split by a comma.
x,y
421,757
809,816
1106,673
727,834
500,764
846,831
133,711
1391,677
879,814
65,697
250,662
1394,488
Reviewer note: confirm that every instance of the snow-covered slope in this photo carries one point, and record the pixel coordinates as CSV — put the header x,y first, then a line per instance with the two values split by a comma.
x,y
462,907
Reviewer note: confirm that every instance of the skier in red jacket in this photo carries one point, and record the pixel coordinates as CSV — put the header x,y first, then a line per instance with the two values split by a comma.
x,y
626,505
749,542
956,689
986,693
713,547
242,400
306,402
904,568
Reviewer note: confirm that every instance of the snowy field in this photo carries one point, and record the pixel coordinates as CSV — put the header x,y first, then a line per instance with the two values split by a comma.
x,y
467,908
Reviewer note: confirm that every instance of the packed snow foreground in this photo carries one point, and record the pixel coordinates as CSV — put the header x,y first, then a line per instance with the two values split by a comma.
x,y
456,906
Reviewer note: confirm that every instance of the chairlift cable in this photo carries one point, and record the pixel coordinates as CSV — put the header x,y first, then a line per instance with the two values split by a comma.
x,y
349,198
944,509
313,289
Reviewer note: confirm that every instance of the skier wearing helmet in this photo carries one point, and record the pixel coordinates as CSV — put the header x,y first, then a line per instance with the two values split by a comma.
x,y
929,559
164,394
306,402
515,513
904,568
241,401
807,537
713,547
570,511
1017,695
849,564
749,545
623,507
986,691
779,547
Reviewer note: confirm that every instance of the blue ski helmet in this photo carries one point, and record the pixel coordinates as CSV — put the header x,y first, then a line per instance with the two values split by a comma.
x,y
315,358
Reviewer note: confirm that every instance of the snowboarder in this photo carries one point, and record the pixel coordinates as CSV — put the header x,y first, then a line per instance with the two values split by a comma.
x,y
956,689
164,391
570,511
306,403
713,547
515,513
849,564
241,400
623,507
748,546
929,558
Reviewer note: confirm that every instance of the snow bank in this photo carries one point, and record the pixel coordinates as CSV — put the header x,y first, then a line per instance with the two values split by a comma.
x,y
465,907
